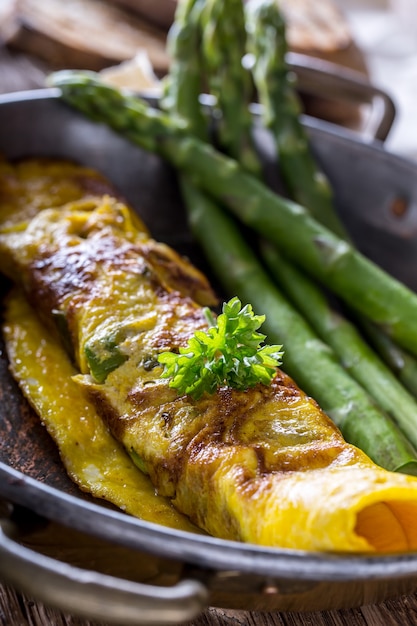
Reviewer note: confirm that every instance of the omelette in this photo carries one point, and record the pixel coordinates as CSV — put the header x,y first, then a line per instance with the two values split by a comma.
x,y
263,465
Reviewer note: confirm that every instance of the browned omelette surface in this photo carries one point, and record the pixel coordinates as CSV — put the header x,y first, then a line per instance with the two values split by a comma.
x,y
263,465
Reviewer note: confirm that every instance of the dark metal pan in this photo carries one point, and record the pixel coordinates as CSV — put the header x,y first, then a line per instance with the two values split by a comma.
x,y
376,196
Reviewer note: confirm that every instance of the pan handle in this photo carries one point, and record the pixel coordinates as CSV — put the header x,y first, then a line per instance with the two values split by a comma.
x,y
92,595
323,78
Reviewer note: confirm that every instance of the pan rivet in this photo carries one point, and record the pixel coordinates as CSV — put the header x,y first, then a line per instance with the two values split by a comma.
x,y
399,207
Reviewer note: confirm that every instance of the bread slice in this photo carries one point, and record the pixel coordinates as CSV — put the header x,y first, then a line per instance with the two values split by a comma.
x,y
93,34
88,34
312,25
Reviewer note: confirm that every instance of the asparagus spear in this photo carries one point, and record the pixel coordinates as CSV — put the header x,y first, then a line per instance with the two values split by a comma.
x,y
183,85
306,359
306,183
355,354
224,46
403,364
358,281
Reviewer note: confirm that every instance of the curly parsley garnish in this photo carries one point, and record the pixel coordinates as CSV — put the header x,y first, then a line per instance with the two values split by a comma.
x,y
229,353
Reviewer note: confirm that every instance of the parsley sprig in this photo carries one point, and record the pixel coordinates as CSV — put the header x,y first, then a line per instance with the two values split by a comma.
x,y
229,353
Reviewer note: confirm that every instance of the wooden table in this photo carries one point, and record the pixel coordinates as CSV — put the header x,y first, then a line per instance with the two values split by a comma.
x,y
18,72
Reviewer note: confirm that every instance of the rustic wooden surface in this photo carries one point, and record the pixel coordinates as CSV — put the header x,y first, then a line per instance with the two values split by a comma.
x,y
17,72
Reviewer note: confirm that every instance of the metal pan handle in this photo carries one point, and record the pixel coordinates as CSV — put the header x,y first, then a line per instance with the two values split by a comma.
x,y
323,78
92,595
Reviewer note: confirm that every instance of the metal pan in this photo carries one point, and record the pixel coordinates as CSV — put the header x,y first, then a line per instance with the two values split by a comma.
x,y
376,196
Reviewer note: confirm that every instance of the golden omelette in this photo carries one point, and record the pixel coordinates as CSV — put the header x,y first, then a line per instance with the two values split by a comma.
x,y
263,465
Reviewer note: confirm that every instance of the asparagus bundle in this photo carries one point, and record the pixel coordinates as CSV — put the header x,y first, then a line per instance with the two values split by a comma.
x,y
217,235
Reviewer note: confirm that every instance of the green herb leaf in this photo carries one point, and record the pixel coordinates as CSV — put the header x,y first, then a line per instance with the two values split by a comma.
x,y
229,353
103,355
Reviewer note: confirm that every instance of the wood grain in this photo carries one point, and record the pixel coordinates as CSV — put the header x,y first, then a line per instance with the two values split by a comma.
x,y
18,610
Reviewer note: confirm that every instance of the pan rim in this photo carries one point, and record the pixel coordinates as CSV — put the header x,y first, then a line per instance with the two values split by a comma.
x,y
201,550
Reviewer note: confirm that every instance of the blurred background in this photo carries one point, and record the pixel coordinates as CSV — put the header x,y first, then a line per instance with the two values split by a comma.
x,y
376,39
386,33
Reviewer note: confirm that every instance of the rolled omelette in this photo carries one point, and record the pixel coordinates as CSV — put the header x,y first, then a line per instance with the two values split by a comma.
x,y
264,465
